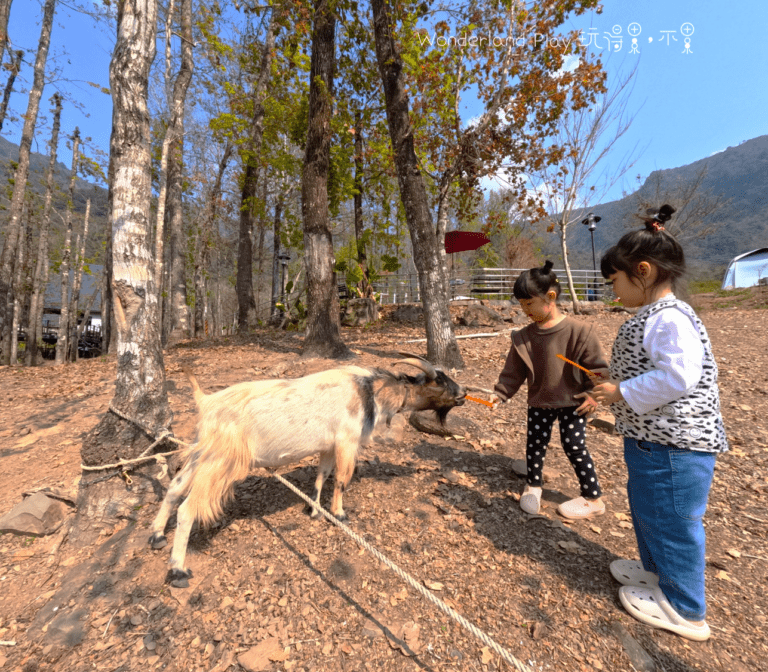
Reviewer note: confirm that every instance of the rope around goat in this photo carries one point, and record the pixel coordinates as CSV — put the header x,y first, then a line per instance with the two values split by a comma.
x,y
160,458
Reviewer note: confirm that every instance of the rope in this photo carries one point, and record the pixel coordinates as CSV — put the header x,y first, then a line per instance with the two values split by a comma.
x,y
506,655
160,458
164,434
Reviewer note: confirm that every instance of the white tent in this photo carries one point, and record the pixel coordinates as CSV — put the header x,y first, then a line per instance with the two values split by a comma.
x,y
747,270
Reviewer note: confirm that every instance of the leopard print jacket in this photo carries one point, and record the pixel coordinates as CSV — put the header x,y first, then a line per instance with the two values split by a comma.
x,y
691,422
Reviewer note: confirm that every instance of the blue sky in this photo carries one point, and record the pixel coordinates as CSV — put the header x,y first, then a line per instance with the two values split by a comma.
x,y
689,105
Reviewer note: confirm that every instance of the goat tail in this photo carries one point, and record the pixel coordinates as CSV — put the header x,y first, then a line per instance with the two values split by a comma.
x,y
197,393
216,469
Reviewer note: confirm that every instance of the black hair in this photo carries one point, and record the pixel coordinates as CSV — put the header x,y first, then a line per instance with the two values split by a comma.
x,y
537,282
652,244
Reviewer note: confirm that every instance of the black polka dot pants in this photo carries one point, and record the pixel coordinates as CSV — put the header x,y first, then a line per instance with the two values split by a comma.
x,y
572,436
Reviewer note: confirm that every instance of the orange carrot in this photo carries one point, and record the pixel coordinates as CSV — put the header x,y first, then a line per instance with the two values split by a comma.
x,y
578,366
479,401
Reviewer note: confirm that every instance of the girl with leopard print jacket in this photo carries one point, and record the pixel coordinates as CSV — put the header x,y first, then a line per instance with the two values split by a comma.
x,y
663,391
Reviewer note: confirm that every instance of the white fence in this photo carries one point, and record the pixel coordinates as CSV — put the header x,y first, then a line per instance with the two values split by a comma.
x,y
487,283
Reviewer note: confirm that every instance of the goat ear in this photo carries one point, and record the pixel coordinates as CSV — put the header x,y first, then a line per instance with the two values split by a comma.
x,y
422,364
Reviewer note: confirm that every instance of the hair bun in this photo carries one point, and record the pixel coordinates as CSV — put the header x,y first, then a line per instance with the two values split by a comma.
x,y
547,267
665,213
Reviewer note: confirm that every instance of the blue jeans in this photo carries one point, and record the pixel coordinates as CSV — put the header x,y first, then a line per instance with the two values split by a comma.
x,y
668,489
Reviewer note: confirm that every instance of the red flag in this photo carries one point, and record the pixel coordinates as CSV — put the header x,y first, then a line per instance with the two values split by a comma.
x,y
461,241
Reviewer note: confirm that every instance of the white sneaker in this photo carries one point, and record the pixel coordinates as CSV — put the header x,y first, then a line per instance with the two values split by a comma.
x,y
530,500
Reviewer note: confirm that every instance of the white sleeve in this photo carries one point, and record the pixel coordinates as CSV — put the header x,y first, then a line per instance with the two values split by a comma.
x,y
672,343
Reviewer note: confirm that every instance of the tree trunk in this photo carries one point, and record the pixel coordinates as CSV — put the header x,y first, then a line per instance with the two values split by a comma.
x,y
205,243
323,337
18,293
12,73
275,314
263,197
35,325
77,283
442,347
571,286
140,384
442,228
62,341
358,203
108,329
19,186
5,13
176,313
246,317
171,181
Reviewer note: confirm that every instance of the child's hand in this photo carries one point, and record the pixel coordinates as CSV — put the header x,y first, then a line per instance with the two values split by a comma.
x,y
589,405
607,393
496,400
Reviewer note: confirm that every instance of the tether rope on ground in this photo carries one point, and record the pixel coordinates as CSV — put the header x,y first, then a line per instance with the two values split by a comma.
x,y
160,457
506,655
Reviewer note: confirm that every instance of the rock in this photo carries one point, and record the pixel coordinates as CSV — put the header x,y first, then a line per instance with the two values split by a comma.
x,y
480,316
360,312
226,603
408,312
36,515
638,657
67,628
517,318
372,628
257,658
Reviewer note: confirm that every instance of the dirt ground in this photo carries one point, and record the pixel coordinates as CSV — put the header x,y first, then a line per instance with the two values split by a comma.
x,y
274,590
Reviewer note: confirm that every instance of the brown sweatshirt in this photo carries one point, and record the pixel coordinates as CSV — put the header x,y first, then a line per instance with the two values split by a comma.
x,y
552,383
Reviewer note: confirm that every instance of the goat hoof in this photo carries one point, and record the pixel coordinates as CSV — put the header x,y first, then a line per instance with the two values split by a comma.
x,y
178,578
157,541
343,518
311,511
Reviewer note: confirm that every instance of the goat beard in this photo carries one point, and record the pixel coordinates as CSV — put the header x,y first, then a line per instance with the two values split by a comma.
x,y
442,414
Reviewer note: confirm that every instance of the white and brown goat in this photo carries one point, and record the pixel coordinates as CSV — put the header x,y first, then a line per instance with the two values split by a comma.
x,y
270,423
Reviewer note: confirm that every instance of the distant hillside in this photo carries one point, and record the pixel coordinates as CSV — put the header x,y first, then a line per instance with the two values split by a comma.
x,y
38,168
738,173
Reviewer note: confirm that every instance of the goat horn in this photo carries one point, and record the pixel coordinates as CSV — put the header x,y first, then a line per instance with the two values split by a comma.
x,y
422,364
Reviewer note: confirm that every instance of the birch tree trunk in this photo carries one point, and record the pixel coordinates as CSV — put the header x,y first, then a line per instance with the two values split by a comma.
x,y
564,247
323,336
12,73
246,312
275,314
171,179
19,186
35,326
62,341
17,294
77,283
140,385
442,347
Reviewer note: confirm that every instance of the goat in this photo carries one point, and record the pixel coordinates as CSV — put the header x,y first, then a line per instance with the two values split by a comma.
x,y
270,423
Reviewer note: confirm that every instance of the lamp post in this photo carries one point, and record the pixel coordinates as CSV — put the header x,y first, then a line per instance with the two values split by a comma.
x,y
591,223
284,259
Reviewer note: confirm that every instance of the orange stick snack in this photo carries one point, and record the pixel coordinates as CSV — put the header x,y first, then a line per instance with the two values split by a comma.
x,y
479,401
579,366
